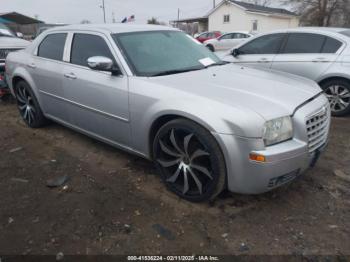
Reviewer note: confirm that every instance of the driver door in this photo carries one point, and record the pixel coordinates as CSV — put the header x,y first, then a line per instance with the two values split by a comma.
x,y
97,101
259,52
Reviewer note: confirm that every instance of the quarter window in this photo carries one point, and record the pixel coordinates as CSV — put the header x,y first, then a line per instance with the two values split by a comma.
x,y
303,43
226,18
268,44
331,46
85,46
52,47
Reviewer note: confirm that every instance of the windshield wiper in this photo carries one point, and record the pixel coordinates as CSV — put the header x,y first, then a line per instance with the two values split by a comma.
x,y
173,72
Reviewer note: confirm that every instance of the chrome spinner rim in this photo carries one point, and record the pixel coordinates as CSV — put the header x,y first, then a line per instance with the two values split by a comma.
x,y
185,161
25,104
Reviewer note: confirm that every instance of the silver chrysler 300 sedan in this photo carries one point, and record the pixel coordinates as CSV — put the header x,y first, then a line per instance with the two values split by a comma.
x,y
156,92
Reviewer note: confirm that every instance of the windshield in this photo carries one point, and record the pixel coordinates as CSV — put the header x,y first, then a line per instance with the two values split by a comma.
x,y
155,53
346,33
5,31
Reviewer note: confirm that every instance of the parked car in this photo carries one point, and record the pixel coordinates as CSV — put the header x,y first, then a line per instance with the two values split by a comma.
x,y
153,91
227,41
207,36
320,54
9,42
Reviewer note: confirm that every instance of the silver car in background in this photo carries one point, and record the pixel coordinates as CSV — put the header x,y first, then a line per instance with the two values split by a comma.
x,y
158,93
319,53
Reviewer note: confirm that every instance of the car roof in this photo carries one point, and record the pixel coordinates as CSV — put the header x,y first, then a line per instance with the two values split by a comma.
x,y
329,31
113,28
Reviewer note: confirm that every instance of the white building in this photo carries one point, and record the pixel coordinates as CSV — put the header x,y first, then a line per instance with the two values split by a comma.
x,y
231,15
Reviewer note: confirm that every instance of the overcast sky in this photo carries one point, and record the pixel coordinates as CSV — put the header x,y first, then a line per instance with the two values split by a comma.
x,y
74,11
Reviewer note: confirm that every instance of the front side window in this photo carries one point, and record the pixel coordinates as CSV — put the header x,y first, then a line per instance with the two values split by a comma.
x,y
226,18
227,36
268,44
85,46
304,43
154,52
52,47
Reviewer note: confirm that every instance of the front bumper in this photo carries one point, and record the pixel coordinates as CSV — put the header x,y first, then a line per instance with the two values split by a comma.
x,y
284,162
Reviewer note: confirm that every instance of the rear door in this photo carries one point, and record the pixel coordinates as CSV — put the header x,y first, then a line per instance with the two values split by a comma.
x,y
224,42
261,51
98,102
307,54
46,68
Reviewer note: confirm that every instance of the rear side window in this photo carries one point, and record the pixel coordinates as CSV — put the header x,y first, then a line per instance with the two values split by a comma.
x,y
268,44
52,47
85,46
331,46
304,43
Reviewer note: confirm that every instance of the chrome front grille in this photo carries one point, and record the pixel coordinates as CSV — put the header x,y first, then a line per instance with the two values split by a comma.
x,y
317,128
5,52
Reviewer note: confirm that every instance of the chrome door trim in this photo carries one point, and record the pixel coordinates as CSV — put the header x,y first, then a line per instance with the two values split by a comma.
x,y
86,107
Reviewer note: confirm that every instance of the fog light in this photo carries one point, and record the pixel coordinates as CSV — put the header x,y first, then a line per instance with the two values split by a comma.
x,y
257,158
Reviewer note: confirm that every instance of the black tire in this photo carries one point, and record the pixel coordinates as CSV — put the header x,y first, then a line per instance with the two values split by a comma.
x,y
338,93
201,161
211,48
28,106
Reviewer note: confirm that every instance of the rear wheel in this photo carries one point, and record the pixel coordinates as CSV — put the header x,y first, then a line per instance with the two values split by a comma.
x,y
28,106
338,94
189,160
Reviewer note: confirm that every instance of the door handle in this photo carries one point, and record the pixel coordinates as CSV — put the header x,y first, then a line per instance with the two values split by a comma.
x,y
70,76
263,60
319,60
31,65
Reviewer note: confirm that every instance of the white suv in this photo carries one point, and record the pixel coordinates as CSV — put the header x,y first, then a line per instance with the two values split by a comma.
x,y
320,54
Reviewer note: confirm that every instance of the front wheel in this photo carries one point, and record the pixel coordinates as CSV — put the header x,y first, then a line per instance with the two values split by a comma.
x,y
338,94
189,160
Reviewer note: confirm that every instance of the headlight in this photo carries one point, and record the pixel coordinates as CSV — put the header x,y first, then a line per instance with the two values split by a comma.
x,y
278,130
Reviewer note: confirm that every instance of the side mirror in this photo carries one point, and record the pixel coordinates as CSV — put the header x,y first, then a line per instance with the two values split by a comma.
x,y
101,63
19,35
235,52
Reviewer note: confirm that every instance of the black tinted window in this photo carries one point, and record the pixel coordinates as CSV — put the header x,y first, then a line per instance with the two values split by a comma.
x,y
346,33
268,44
52,47
331,46
85,46
303,43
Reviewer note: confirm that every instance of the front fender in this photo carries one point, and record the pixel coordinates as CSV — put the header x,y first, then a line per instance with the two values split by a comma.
x,y
215,117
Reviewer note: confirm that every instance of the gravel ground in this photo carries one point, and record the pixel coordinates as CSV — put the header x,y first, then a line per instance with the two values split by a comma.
x,y
114,203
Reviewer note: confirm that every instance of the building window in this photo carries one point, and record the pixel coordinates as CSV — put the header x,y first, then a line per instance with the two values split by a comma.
x,y
255,25
226,18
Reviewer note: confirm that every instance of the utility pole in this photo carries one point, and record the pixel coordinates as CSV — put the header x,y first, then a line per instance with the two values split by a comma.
x,y
178,17
214,4
104,10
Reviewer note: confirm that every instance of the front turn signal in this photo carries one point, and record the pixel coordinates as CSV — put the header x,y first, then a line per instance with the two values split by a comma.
x,y
257,158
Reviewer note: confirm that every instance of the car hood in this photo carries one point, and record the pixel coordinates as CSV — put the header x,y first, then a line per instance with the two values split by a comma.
x,y
269,94
13,42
